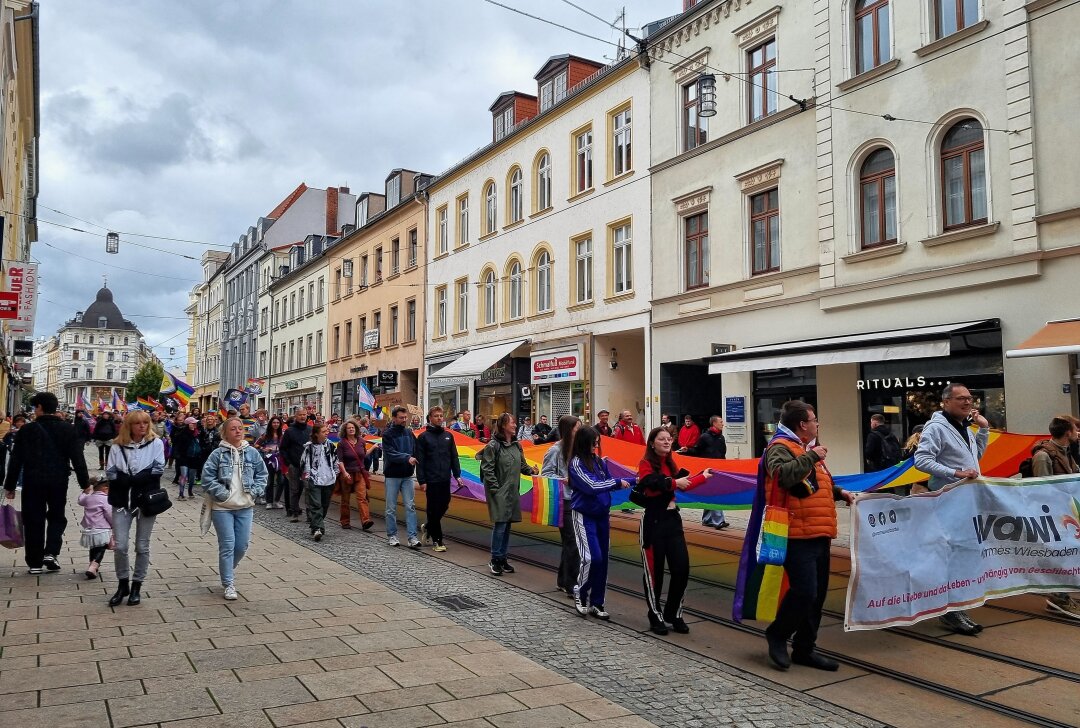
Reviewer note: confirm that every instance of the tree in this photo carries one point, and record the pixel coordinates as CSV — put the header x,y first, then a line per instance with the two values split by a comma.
x,y
146,382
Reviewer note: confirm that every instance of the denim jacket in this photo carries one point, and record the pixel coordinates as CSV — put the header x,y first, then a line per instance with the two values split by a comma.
x,y
218,471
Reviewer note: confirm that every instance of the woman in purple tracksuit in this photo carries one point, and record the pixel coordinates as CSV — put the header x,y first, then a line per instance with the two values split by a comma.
x,y
592,484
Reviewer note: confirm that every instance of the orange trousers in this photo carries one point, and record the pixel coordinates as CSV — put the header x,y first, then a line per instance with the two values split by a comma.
x,y
360,485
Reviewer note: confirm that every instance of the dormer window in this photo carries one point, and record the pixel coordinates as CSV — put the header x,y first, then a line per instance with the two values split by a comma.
x,y
504,122
296,256
552,91
393,191
103,322
362,212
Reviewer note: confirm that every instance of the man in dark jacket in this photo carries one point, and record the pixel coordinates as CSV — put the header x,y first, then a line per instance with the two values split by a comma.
x,y
292,448
42,453
882,449
711,444
436,462
399,448
82,428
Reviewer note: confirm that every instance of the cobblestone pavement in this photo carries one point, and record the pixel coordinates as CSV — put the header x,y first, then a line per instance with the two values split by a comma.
x,y
670,686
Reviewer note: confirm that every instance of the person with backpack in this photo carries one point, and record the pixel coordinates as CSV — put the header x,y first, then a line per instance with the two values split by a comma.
x,y
104,431
187,450
882,449
44,453
320,468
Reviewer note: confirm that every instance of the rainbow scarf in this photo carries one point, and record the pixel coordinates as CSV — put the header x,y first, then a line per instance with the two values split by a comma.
x,y
759,587
547,502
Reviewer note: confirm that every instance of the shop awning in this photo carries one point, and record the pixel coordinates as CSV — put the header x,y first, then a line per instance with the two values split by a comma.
x,y
1057,337
472,363
914,343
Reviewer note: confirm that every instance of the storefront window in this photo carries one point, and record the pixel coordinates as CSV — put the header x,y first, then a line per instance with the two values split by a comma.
x,y
771,389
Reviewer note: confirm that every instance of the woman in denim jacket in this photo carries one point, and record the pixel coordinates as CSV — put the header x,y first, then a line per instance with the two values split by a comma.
x,y
233,477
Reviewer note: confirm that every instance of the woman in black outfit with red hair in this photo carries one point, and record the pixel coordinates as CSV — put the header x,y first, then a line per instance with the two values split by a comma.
x,y
661,533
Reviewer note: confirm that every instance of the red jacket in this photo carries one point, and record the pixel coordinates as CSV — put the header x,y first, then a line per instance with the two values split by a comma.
x,y
688,436
632,433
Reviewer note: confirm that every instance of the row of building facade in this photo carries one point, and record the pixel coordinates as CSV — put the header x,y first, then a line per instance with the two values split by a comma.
x,y
847,202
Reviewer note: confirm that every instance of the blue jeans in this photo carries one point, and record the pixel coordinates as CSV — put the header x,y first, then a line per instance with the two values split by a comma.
x,y
233,536
190,475
406,486
500,540
712,518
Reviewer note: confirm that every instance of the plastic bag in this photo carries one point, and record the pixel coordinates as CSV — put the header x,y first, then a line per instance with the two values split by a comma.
x,y
11,527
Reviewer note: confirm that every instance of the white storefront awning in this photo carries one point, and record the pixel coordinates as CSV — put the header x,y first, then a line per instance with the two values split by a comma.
x,y
470,365
914,343
1057,337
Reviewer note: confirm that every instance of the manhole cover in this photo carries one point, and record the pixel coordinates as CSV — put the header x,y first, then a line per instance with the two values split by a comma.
x,y
458,602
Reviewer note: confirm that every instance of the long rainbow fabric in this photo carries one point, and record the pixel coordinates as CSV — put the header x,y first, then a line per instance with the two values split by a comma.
x,y
547,501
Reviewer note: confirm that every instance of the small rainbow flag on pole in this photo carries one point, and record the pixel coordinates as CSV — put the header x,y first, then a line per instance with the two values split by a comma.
x,y
547,501
148,403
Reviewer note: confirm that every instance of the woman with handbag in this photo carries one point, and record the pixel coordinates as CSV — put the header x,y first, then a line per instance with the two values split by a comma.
x,y
234,475
269,444
354,475
136,462
661,535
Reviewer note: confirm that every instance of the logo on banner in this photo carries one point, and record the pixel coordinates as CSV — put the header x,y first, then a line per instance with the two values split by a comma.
x,y
235,398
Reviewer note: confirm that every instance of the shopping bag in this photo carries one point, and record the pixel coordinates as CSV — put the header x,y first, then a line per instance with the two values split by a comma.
x,y
773,538
11,527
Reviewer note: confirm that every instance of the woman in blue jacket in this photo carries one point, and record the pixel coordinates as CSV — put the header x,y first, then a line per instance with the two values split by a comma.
x,y
591,484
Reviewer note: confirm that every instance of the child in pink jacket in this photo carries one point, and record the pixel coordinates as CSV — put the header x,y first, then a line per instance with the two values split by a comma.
x,y
96,523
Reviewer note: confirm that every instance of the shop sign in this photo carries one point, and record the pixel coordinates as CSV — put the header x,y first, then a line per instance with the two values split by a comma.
x,y
498,373
388,379
22,347
735,410
292,384
9,305
23,280
560,366
899,383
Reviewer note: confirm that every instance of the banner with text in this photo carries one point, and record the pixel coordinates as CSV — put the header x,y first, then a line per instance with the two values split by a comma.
x,y
921,556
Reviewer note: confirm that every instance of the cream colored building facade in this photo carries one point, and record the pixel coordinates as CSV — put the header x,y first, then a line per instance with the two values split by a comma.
x,y
913,225
539,287
376,316
293,315
204,368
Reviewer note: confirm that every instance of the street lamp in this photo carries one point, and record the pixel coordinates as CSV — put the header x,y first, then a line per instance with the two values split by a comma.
x,y
112,243
706,95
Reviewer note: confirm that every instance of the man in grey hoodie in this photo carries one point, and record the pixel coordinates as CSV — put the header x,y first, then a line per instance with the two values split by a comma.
x,y
948,452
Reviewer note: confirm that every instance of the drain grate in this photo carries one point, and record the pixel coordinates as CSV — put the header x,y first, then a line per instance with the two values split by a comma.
x,y
458,602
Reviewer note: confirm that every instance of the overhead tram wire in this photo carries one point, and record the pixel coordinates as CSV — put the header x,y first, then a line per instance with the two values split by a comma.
x,y
116,267
137,235
804,103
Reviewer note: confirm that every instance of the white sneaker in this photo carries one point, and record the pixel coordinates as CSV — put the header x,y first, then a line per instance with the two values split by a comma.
x,y
269,506
230,593
599,612
414,543
580,606
393,541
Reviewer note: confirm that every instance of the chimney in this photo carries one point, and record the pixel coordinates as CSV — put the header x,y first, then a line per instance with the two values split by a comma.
x,y
331,210
343,190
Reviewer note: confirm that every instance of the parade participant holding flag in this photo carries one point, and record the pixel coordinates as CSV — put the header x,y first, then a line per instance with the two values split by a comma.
x,y
796,477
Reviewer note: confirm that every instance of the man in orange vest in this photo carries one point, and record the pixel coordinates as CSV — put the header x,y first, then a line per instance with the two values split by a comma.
x,y
796,478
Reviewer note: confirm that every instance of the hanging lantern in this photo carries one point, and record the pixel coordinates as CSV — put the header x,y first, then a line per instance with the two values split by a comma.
x,y
172,351
112,243
346,268
706,95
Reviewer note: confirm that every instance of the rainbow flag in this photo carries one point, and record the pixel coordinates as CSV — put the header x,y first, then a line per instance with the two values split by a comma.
x,y
176,388
222,413
117,403
148,403
547,502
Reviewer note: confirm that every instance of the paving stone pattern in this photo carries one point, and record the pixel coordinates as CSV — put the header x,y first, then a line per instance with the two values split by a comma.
x,y
669,686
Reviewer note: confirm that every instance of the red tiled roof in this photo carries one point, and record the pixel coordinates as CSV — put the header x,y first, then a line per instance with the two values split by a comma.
x,y
287,202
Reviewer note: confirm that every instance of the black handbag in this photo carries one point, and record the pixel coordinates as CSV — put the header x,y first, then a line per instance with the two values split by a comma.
x,y
154,502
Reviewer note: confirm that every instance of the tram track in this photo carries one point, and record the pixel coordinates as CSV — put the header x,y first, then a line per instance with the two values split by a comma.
x,y
870,667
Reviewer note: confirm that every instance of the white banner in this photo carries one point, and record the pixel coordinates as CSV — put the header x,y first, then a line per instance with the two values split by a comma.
x,y
921,556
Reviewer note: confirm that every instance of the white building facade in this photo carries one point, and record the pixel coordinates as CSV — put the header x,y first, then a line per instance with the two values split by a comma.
x,y
907,219
538,288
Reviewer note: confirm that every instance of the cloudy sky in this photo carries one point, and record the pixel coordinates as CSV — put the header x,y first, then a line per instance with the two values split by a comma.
x,y
191,118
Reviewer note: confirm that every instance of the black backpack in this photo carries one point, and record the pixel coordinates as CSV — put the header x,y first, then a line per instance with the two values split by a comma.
x,y
1026,471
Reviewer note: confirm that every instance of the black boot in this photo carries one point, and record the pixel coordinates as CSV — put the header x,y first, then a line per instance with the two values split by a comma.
x,y
656,625
121,592
135,597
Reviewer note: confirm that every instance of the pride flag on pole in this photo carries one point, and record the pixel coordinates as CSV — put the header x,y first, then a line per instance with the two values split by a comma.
x,y
367,399
547,501
176,388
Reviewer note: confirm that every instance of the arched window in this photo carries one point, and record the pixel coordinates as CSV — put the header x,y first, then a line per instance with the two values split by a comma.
x,y
491,198
872,46
514,309
963,175
543,282
489,298
877,195
543,183
516,191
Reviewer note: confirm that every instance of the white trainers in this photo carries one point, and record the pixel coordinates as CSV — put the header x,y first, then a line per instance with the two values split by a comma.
x,y
414,543
580,606
393,541
599,613
230,593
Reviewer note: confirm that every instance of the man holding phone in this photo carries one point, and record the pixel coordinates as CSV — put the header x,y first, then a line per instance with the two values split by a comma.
x,y
948,451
